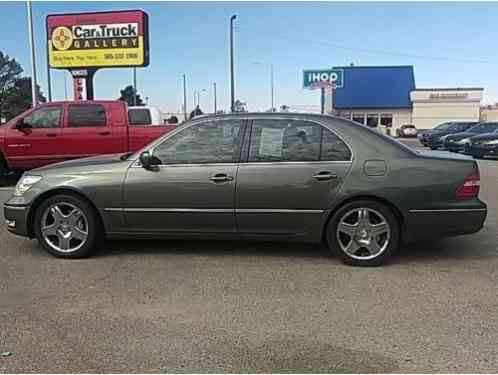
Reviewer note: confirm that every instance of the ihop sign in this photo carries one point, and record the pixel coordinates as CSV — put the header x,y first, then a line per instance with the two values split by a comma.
x,y
324,77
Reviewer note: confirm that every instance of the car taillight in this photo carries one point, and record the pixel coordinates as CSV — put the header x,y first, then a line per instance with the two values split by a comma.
x,y
470,188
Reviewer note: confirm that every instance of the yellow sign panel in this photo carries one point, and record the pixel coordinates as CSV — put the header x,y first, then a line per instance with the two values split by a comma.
x,y
114,44
83,58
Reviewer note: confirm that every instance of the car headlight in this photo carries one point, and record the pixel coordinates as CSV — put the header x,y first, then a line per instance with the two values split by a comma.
x,y
493,142
463,141
24,184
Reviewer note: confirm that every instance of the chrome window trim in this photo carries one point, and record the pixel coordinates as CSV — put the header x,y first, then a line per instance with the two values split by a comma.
x,y
248,118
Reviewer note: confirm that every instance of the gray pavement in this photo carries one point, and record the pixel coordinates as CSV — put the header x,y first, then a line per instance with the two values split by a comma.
x,y
197,306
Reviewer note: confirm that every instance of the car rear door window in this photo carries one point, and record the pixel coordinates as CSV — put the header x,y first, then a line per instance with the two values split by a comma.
x,y
139,116
209,142
284,140
88,115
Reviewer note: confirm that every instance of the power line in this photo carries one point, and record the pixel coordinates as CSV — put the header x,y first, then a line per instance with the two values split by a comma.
x,y
367,51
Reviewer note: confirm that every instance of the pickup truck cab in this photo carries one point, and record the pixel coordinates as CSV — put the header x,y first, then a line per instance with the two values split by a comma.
x,y
58,131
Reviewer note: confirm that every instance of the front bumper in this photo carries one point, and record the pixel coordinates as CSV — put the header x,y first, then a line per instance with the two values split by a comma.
x,y
16,219
454,146
480,149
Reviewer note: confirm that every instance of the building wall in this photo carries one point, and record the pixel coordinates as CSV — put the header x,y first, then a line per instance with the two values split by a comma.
x,y
434,106
399,116
489,114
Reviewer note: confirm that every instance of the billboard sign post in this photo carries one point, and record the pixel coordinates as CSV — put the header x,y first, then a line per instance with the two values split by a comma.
x,y
86,42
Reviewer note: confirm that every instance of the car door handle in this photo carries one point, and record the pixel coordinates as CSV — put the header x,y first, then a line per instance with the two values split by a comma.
x,y
51,135
105,133
220,177
325,176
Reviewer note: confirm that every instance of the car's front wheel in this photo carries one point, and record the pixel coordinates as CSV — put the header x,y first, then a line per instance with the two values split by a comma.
x,y
364,233
67,226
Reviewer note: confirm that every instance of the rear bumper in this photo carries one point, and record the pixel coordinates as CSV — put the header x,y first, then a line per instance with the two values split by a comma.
x,y
421,224
16,219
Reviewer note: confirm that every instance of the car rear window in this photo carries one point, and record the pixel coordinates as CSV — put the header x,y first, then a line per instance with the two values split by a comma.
x,y
139,116
87,115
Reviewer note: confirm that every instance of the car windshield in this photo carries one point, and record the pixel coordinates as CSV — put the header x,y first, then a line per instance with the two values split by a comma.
x,y
445,126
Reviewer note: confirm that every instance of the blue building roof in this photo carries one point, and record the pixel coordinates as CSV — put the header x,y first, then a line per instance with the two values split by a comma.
x,y
375,87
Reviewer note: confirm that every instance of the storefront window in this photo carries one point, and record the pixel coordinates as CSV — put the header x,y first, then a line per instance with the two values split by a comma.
x,y
373,120
386,119
359,117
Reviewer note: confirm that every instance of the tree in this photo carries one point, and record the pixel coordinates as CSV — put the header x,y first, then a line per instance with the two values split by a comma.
x,y
10,71
127,96
240,106
196,112
18,97
15,91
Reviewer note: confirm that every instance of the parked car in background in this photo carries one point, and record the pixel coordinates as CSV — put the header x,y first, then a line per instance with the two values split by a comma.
x,y
456,142
432,138
141,115
260,176
482,145
406,131
59,131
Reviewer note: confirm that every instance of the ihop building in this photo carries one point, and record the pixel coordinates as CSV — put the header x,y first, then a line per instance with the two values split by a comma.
x,y
386,97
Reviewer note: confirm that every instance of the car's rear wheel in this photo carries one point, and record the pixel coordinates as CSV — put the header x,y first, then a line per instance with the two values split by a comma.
x,y
67,226
364,233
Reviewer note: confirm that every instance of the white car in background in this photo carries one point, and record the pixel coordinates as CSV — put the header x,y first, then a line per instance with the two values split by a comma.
x,y
406,131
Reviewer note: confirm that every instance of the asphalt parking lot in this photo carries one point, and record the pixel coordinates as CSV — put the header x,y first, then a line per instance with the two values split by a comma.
x,y
252,307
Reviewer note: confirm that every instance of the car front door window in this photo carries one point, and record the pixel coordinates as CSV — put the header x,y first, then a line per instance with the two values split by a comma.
x,y
204,143
48,117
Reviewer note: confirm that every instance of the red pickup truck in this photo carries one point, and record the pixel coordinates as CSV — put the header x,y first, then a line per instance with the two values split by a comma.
x,y
58,131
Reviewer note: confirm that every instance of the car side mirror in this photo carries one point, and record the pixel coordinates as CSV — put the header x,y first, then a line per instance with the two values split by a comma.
x,y
148,161
22,126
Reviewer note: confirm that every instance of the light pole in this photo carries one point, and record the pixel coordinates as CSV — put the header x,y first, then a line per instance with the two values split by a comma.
x,y
33,57
185,97
134,86
214,92
232,78
199,97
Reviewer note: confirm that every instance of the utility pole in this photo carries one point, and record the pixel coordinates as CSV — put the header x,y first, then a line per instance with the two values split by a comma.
x,y
214,87
33,56
232,79
134,86
49,78
272,89
65,85
185,97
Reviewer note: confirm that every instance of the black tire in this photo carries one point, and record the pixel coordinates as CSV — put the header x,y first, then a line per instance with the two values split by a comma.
x,y
433,147
390,218
4,171
94,228
478,156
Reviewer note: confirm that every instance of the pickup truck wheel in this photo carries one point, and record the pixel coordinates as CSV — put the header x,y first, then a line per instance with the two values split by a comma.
x,y
4,171
364,233
67,226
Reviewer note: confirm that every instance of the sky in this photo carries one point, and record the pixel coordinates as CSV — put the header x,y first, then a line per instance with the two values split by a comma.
x,y
449,45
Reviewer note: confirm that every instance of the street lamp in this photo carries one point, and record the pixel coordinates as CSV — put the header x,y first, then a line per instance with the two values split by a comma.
x,y
232,79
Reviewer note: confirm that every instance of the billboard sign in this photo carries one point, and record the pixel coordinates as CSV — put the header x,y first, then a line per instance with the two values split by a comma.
x,y
322,78
98,40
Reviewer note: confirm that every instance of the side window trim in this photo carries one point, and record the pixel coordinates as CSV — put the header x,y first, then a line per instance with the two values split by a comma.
x,y
248,138
237,151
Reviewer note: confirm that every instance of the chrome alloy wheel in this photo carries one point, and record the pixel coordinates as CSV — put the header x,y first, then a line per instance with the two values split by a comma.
x,y
64,227
363,233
